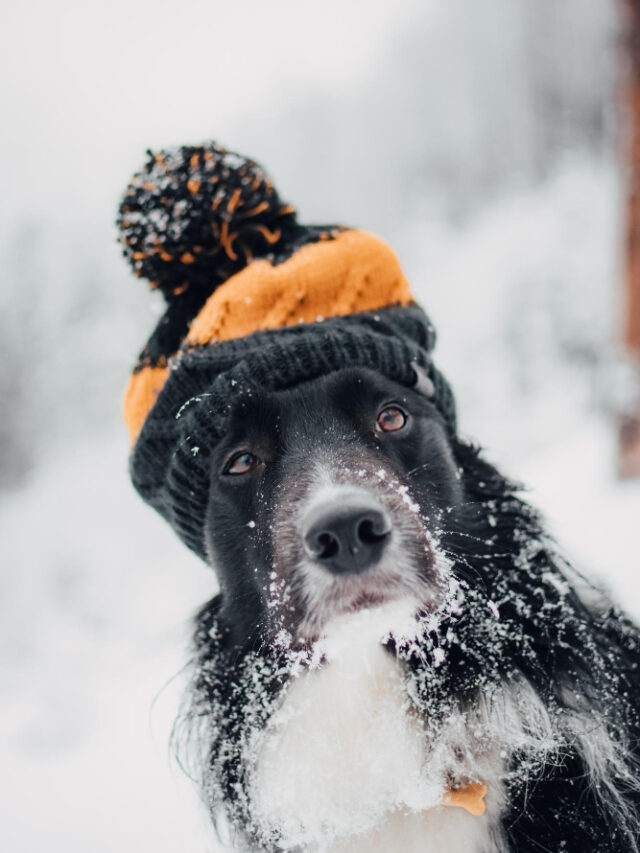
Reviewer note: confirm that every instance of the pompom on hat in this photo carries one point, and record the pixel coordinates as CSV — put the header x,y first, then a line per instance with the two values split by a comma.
x,y
254,299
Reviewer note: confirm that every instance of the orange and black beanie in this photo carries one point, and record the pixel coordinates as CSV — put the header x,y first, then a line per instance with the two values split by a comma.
x,y
254,300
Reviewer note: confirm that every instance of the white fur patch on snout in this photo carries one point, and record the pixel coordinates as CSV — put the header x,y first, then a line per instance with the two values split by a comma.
x,y
396,574
332,494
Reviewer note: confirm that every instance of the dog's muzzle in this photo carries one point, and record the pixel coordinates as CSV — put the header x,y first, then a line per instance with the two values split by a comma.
x,y
348,538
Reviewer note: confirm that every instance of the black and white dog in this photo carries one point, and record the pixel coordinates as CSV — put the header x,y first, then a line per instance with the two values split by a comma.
x,y
398,659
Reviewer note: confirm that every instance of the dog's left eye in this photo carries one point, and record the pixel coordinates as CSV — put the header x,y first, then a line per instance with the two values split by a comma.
x,y
391,419
241,463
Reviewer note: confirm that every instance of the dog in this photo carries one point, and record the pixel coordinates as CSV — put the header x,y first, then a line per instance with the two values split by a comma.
x,y
393,621
398,659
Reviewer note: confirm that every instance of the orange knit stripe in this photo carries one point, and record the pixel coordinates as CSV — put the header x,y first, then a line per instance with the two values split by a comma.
x,y
353,272
140,394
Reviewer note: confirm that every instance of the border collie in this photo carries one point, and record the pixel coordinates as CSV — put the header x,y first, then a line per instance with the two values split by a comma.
x,y
399,660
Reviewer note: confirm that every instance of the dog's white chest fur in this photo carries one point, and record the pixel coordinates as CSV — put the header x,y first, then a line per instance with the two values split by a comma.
x,y
341,768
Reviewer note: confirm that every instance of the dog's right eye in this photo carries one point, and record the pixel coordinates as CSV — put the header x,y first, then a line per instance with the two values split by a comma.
x,y
241,463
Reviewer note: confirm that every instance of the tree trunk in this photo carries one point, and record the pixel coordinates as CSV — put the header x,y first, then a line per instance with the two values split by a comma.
x,y
629,426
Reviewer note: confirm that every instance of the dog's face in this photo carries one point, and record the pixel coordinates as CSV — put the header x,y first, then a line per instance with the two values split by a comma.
x,y
340,494
326,498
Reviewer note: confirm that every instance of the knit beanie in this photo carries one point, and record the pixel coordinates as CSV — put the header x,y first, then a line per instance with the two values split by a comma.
x,y
253,300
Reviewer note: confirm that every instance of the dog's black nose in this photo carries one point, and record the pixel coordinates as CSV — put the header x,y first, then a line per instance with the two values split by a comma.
x,y
348,538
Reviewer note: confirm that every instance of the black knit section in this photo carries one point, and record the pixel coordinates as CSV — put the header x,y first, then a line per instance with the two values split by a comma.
x,y
169,464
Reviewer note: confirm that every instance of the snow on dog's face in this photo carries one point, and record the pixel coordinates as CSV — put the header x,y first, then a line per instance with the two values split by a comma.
x,y
327,498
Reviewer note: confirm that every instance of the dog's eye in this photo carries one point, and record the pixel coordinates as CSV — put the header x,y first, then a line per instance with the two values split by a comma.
x,y
241,463
391,419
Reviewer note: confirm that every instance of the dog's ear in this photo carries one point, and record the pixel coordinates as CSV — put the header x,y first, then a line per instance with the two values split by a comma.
x,y
423,385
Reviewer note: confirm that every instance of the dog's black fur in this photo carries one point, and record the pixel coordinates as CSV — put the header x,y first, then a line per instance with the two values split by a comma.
x,y
552,629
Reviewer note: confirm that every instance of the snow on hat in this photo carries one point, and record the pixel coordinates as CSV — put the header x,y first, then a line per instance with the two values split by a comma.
x,y
254,299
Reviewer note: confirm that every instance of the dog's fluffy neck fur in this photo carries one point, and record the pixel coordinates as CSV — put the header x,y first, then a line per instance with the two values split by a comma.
x,y
522,655
345,765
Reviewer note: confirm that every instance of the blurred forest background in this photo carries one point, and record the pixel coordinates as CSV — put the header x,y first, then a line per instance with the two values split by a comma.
x,y
482,140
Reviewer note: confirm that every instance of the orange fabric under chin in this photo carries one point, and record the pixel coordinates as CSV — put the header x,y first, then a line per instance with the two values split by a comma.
x,y
353,272
470,797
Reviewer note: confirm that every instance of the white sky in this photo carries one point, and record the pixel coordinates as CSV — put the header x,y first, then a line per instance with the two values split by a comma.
x,y
85,87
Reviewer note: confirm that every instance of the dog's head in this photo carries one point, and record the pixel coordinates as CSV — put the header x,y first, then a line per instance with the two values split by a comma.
x,y
326,498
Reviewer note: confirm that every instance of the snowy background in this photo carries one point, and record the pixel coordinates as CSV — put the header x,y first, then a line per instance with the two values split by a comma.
x,y
479,138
